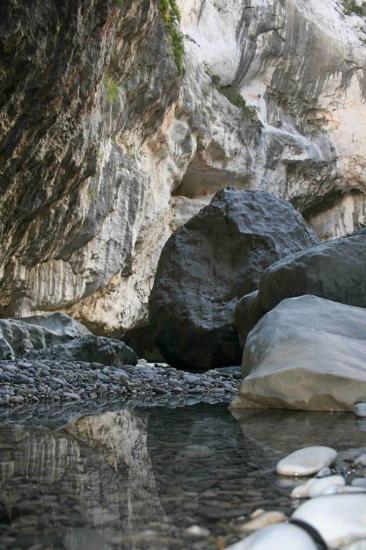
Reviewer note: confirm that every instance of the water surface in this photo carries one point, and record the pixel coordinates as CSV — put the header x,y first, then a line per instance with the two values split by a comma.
x,y
136,478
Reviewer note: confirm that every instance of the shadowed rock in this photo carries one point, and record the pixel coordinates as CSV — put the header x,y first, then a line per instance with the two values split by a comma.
x,y
19,336
334,270
106,351
208,264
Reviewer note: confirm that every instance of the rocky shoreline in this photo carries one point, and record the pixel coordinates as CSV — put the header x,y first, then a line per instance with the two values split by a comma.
x,y
24,381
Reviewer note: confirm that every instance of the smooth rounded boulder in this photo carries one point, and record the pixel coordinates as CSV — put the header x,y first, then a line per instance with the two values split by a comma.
x,y
308,353
208,264
334,270
307,461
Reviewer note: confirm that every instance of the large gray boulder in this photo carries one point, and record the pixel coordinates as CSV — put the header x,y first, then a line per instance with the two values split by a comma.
x,y
308,353
19,336
208,264
334,270
89,349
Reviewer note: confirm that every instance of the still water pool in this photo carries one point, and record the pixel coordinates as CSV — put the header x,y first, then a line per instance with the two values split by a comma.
x,y
136,478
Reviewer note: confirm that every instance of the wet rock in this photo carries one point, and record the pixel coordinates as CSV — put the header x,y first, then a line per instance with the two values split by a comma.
x,y
316,487
262,520
333,270
307,461
360,410
215,258
361,460
309,354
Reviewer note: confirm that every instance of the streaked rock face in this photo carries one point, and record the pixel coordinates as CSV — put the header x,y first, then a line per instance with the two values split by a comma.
x,y
105,150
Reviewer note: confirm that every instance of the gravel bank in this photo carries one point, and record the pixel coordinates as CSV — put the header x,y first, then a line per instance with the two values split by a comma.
x,y
23,381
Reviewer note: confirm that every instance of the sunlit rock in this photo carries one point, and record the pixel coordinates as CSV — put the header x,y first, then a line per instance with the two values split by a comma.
x,y
309,354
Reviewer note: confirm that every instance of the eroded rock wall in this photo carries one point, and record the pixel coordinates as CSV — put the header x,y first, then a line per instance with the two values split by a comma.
x,y
105,149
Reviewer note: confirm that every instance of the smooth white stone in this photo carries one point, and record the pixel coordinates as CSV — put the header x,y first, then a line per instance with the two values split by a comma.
x,y
360,410
282,537
197,531
262,520
361,460
339,490
301,491
340,519
307,461
359,545
324,472
359,482
316,487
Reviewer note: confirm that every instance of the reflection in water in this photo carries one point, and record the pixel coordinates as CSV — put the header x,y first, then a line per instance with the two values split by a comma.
x,y
136,479
122,438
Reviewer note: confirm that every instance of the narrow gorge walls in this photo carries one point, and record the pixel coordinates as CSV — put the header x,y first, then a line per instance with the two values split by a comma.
x,y
111,136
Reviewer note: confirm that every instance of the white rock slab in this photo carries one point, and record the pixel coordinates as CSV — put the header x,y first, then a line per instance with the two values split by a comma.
x,y
359,545
308,353
359,482
282,537
360,410
340,519
339,490
315,487
307,461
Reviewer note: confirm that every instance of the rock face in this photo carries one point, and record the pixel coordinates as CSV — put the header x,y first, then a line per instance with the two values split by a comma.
x,y
20,336
208,264
106,147
334,270
105,351
309,354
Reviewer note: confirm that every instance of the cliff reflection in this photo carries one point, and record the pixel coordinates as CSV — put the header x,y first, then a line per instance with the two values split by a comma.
x,y
136,479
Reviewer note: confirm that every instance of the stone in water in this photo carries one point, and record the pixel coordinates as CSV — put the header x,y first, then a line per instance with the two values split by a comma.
x,y
360,410
316,487
307,461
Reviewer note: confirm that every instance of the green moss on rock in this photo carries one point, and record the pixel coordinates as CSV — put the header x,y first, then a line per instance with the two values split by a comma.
x,y
352,7
111,88
171,15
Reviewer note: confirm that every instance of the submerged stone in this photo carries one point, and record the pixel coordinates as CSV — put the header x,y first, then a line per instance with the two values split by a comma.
x,y
360,410
316,487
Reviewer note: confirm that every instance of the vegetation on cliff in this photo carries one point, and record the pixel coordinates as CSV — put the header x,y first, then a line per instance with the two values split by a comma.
x,y
171,15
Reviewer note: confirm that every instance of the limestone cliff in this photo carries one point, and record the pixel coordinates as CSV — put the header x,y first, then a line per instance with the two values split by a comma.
x,y
107,145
